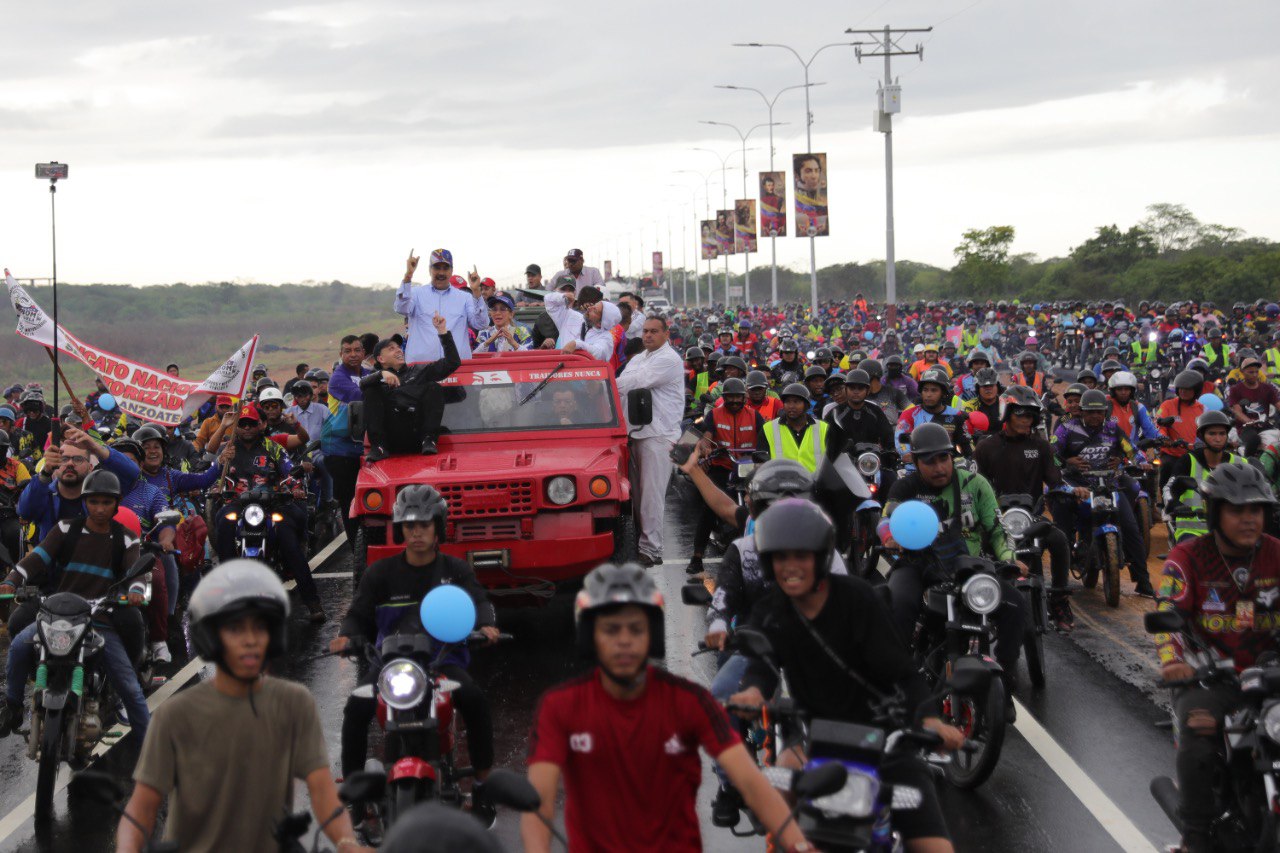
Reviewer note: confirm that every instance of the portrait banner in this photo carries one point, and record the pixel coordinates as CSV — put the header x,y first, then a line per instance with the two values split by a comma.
x,y
773,204
724,232
141,390
710,249
744,225
657,268
810,171
608,270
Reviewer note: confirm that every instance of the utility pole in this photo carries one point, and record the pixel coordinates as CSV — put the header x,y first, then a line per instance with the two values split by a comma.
x,y
888,102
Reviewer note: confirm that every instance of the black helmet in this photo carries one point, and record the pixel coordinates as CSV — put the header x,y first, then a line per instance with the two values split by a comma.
x,y
1027,355
1188,379
822,354
733,385
937,376
1074,388
1215,333
977,355
609,587
1094,400
733,361
265,382
986,376
813,371
694,353
1020,397
1212,419
101,482
150,433
128,445
930,438
789,345
777,479
1111,364
420,502
796,389
756,379
858,377
713,358
794,524
431,826
874,368
232,590
1086,374
894,360
1237,484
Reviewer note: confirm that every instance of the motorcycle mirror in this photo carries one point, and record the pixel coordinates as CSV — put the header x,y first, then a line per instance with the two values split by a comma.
x,y
695,594
512,790
969,676
363,786
1163,622
820,781
97,786
842,475
754,643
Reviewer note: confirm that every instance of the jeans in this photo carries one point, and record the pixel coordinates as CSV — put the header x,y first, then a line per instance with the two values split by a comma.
x,y
119,668
725,684
11,537
321,475
285,536
170,583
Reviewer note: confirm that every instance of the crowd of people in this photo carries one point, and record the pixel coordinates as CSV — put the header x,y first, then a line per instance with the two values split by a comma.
x,y
961,404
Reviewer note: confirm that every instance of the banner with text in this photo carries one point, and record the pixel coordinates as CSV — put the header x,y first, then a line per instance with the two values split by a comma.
x,y
811,195
773,204
709,246
141,390
744,225
724,232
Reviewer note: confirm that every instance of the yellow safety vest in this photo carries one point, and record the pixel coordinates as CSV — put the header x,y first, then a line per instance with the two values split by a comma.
x,y
782,443
1273,365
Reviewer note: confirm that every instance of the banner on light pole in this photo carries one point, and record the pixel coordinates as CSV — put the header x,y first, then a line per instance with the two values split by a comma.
x,y
710,248
658,269
773,204
608,270
810,172
744,225
724,232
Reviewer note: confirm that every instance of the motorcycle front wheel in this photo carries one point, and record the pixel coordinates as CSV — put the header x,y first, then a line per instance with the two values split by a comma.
x,y
983,724
1143,511
50,758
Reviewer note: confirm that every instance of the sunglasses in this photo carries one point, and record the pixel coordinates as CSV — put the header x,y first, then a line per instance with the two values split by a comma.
x,y
244,424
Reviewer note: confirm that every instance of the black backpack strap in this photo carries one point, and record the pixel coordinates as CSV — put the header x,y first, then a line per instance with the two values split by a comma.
x,y
69,540
117,549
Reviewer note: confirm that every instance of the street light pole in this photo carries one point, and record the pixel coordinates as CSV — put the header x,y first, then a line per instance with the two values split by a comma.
x,y
808,141
769,103
746,255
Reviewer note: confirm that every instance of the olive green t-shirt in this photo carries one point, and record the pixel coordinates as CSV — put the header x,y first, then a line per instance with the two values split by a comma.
x,y
227,772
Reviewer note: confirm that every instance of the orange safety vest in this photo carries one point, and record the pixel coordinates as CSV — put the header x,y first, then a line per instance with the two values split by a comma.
x,y
1037,384
735,433
1123,416
769,408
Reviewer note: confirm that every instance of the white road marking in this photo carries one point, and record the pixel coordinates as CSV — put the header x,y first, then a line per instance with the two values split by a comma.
x,y
26,809
1106,812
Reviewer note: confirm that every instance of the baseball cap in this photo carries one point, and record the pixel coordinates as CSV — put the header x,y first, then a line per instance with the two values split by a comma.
x,y
13,389
565,281
458,282
573,255
6,412
1250,362
224,400
488,282
502,299
533,269
249,413
441,256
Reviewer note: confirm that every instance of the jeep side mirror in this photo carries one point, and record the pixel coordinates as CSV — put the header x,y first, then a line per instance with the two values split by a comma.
x,y
639,407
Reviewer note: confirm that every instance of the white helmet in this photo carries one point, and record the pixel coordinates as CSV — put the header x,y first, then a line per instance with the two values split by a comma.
x,y
917,349
270,394
1123,379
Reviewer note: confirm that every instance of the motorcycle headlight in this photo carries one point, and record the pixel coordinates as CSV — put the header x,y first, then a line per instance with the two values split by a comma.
x,y
1155,374
1102,502
1271,721
254,515
868,464
1015,522
856,799
561,490
981,594
61,636
402,684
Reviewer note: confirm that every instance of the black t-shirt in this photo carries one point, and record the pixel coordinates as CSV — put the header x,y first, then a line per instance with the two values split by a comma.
x,y
1017,466
847,425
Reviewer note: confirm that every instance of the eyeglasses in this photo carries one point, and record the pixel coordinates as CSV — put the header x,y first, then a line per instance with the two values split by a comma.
x,y
76,460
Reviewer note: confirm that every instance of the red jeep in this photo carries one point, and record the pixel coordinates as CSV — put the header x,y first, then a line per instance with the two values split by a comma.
x,y
534,464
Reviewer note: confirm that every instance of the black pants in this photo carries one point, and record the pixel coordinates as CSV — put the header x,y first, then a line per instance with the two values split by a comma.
x,y
400,419
344,470
708,519
1200,757
11,539
1056,541
468,699
285,536
906,589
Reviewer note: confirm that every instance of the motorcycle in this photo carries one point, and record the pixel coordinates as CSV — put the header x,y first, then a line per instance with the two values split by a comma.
x,y
256,511
73,703
1024,530
1098,547
1246,791
842,803
324,522
870,460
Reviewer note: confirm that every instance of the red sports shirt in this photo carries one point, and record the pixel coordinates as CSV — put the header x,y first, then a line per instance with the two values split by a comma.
x,y
631,768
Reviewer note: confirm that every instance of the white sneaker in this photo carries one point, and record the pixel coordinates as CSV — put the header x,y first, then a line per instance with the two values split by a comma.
x,y
160,652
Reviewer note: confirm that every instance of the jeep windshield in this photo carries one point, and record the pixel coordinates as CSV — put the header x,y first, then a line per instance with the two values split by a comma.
x,y
490,400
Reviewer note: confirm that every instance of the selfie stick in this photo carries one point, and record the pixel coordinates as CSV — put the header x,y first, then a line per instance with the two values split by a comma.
x,y
53,171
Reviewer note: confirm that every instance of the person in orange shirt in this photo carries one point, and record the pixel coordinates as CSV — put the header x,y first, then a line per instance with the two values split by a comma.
x,y
929,359
1184,408
760,398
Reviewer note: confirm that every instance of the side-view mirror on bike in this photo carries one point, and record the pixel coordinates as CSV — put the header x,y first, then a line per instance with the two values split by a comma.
x,y
1164,622
695,594
512,790
754,643
364,786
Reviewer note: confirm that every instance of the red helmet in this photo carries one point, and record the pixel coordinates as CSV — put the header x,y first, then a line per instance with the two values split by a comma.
x,y
129,519
978,422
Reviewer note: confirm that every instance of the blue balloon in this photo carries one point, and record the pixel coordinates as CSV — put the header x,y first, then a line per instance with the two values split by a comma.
x,y
106,402
914,525
1090,322
1211,402
871,336
448,614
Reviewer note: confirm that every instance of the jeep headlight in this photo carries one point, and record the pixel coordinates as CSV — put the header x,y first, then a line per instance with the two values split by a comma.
x,y
402,684
981,594
1015,522
856,799
254,515
561,490
1271,721
868,464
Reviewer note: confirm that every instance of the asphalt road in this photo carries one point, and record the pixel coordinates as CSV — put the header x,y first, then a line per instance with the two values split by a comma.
x,y
1073,775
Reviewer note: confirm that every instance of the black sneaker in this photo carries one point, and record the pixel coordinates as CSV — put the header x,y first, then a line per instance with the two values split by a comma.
x,y
726,808
376,454
481,809
649,562
10,718
694,567
1143,588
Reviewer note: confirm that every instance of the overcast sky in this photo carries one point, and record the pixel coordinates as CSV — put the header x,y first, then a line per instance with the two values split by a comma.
x,y
258,142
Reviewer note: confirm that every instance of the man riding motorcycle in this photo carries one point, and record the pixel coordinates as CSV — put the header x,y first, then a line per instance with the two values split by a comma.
x,y
1212,428
1225,584
935,391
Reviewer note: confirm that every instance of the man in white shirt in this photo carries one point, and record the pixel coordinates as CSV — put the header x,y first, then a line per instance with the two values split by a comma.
x,y
588,329
460,309
637,314
659,368
583,276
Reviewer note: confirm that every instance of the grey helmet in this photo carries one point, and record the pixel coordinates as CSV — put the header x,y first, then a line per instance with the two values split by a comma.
x,y
420,502
609,586
233,589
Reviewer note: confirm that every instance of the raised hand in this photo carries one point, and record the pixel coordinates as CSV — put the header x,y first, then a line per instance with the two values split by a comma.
x,y
441,326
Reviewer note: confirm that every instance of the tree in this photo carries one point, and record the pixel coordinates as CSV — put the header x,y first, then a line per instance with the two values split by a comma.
x,y
983,268
1172,226
1112,251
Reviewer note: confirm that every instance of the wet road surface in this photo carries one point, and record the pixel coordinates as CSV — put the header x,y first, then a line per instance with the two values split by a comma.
x,y
1096,719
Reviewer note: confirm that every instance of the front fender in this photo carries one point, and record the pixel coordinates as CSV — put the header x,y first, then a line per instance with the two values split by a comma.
x,y
54,700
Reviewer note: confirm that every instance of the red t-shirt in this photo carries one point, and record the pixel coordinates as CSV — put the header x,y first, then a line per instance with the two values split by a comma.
x,y
631,768
1262,397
